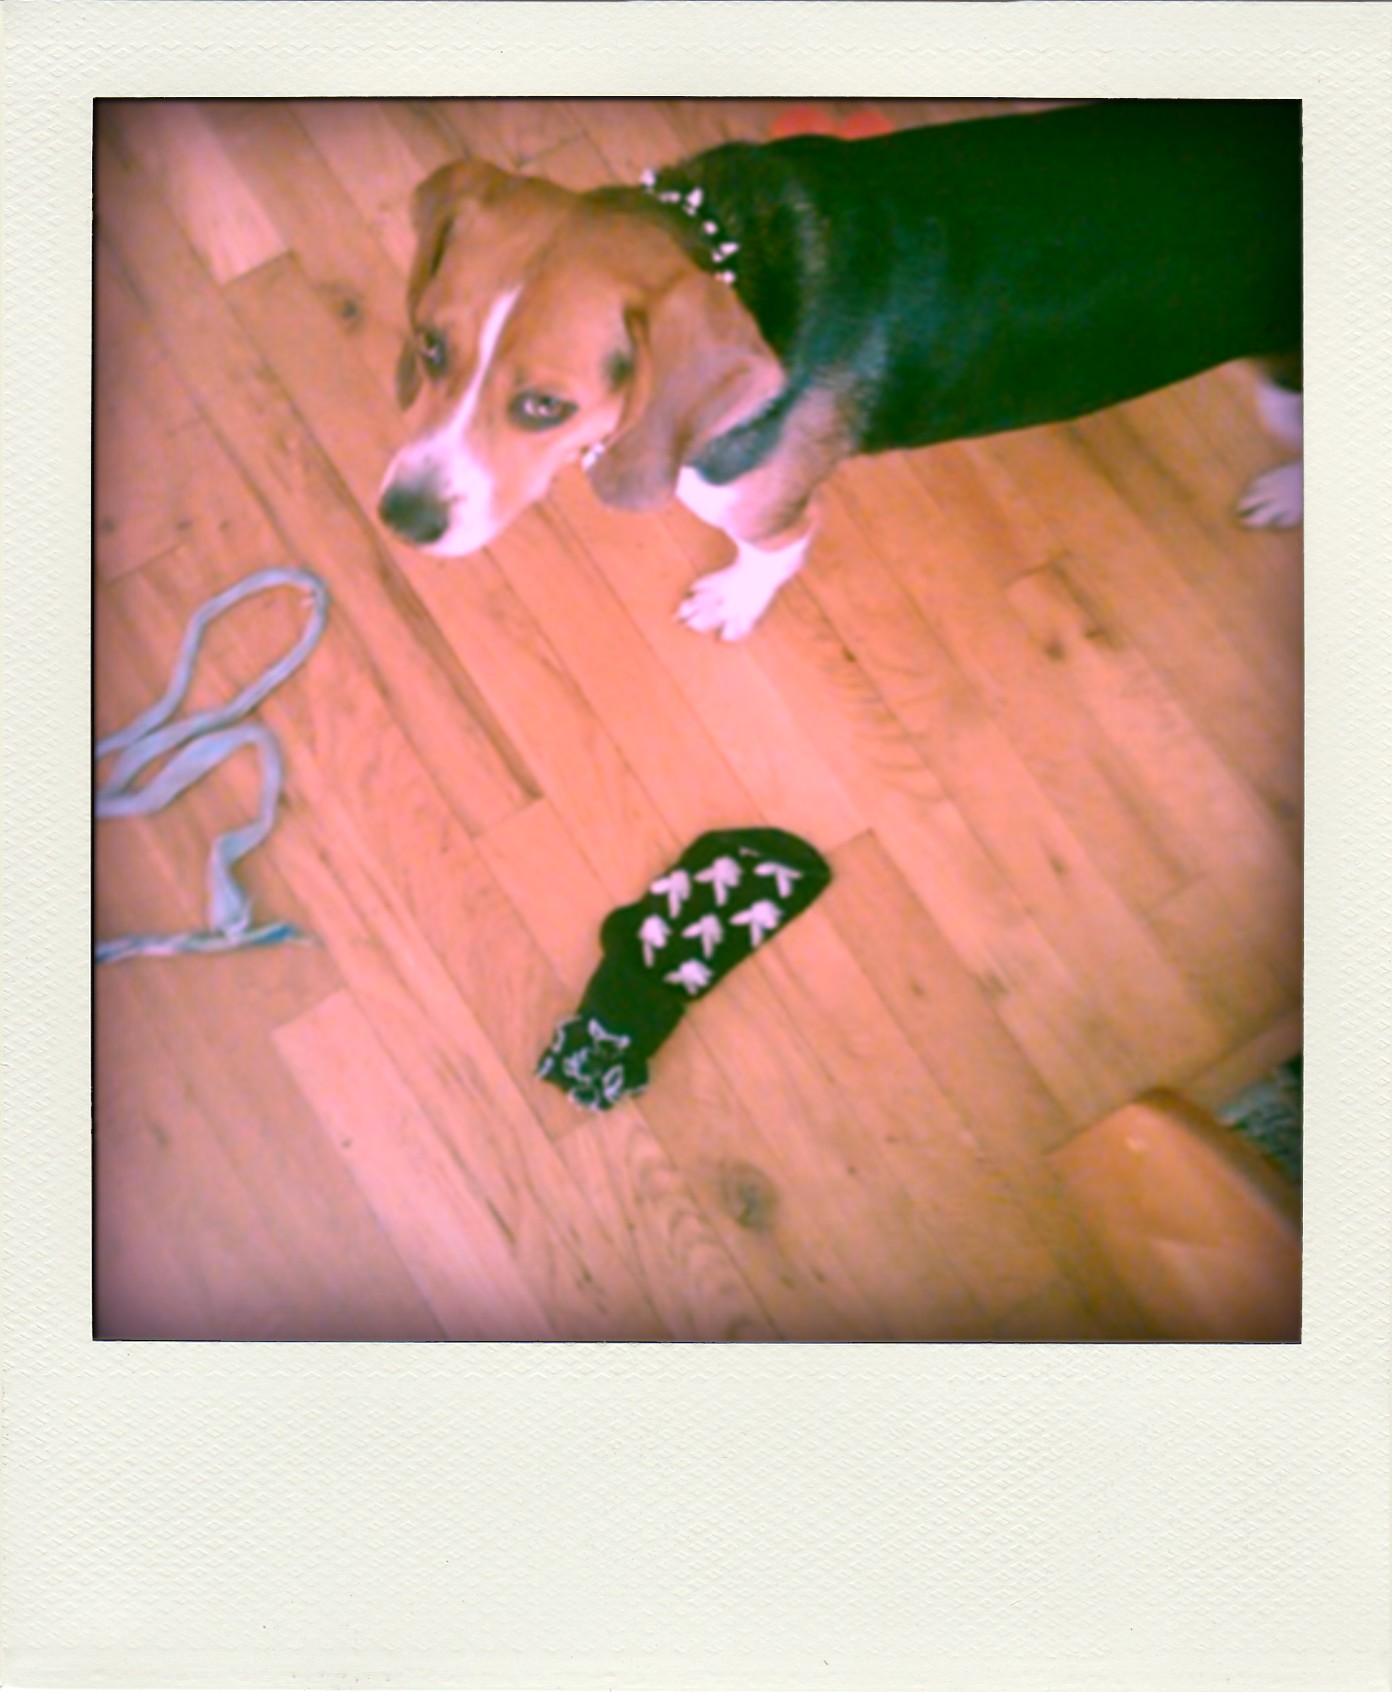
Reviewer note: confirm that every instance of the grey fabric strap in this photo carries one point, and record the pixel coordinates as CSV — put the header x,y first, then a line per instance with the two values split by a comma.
x,y
194,745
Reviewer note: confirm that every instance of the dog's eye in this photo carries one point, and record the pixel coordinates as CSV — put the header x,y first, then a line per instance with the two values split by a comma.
x,y
534,410
434,354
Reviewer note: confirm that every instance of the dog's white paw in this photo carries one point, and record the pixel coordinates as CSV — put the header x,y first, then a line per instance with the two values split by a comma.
x,y
1275,500
729,602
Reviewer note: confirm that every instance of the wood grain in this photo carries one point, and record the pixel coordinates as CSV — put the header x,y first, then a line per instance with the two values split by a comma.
x,y
1036,697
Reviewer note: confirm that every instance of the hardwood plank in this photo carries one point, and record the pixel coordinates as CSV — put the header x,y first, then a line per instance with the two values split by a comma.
x,y
759,1182
771,750
1132,579
629,136
255,1208
1255,872
481,775
760,1188
354,1284
335,250
316,1262
496,1149
142,498
932,551
346,758
1054,1316
968,492
904,1123
543,873
1145,458
427,133
1249,976
587,626
474,925
1062,1023
453,1248
158,1243
378,151
667,1240
176,145
957,1031
349,767
538,866
1087,922
512,133
780,1077
165,479
545,714
576,164
1237,1070
345,745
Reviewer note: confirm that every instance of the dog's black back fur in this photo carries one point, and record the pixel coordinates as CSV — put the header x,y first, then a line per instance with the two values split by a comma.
x,y
989,275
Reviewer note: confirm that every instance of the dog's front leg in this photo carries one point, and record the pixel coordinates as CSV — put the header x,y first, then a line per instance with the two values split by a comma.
x,y
730,602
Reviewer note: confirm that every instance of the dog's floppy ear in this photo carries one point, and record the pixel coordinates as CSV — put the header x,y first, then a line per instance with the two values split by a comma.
x,y
700,367
436,206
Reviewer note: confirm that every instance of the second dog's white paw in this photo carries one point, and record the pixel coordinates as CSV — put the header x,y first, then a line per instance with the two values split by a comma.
x,y
1275,500
729,602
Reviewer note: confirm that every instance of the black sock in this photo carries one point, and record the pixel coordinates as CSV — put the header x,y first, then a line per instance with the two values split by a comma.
x,y
728,894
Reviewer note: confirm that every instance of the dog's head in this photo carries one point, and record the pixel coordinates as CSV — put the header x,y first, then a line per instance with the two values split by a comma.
x,y
545,326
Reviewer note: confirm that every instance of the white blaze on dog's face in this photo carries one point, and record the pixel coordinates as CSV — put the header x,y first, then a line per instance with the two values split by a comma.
x,y
443,464
507,400
541,328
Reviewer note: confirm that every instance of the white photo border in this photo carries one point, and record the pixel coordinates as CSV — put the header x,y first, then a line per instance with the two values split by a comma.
x,y
590,1516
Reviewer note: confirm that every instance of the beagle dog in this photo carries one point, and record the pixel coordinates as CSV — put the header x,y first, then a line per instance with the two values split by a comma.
x,y
733,328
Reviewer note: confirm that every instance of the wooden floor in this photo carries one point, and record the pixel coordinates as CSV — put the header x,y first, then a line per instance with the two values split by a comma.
x,y
1037,698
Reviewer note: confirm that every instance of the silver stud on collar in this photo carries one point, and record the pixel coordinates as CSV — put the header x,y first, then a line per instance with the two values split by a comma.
x,y
690,201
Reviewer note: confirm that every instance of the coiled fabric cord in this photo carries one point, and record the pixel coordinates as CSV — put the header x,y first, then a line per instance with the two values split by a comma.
x,y
200,743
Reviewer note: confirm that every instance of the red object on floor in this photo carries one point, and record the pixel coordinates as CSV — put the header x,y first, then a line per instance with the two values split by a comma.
x,y
801,120
860,126
817,120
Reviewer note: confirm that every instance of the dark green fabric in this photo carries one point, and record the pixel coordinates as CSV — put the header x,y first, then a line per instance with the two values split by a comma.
x,y
1271,1115
730,892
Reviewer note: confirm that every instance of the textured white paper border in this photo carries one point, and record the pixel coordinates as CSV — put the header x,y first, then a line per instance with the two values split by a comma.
x,y
587,1516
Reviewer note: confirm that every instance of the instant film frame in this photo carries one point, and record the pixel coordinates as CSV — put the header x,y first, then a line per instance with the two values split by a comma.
x,y
667,1516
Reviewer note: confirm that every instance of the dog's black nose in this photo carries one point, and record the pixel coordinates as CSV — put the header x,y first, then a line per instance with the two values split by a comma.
x,y
414,513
